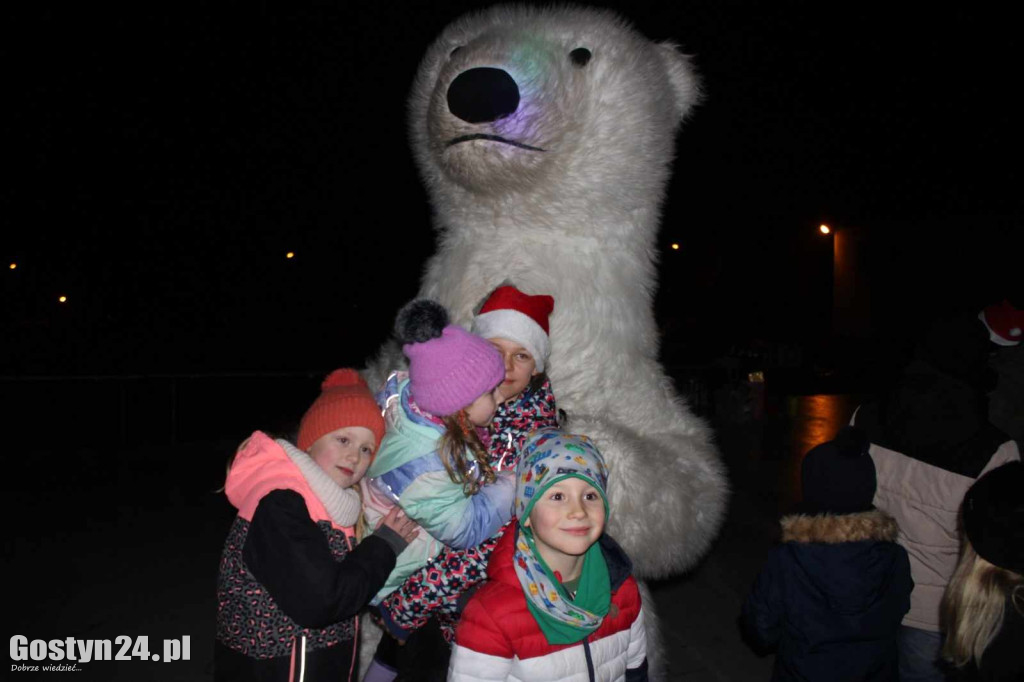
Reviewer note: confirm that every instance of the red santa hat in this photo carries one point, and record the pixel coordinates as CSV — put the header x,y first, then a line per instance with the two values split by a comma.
x,y
510,314
1004,322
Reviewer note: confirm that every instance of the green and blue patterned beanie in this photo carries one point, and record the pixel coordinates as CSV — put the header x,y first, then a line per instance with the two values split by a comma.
x,y
550,455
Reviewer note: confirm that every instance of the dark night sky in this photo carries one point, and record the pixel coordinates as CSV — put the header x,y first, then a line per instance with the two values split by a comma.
x,y
167,156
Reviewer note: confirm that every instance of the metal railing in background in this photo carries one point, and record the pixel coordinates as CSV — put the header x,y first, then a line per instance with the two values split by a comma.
x,y
79,412
156,409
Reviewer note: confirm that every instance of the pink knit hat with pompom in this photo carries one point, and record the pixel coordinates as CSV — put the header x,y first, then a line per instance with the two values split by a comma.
x,y
449,367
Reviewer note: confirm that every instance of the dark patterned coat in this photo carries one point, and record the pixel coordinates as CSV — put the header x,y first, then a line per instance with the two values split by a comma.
x,y
290,583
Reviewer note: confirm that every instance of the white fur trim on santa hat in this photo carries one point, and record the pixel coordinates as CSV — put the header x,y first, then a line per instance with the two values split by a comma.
x,y
515,326
995,338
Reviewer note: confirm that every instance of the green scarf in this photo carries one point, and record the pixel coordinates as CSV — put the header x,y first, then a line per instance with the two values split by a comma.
x,y
562,619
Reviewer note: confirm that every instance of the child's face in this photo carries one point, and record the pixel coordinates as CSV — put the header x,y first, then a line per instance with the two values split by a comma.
x,y
567,520
344,454
481,411
520,367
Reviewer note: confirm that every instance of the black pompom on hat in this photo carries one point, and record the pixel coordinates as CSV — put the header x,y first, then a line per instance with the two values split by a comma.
x,y
449,368
420,320
993,517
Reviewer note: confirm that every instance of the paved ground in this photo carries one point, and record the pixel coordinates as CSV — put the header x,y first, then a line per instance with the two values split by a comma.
x,y
103,544
700,609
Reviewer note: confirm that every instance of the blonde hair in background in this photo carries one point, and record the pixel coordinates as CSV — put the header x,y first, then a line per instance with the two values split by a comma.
x,y
459,435
973,606
362,528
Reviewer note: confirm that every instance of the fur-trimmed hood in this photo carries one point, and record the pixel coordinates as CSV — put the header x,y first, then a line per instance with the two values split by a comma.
x,y
849,559
833,528
831,597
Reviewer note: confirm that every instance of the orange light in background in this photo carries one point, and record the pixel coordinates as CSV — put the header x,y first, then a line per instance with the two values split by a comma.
x,y
290,254
825,229
14,266
815,419
675,247
62,299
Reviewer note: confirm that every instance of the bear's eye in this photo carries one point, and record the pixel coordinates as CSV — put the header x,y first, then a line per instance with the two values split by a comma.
x,y
454,52
580,56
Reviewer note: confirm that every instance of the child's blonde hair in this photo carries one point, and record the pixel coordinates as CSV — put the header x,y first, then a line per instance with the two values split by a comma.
x,y
362,528
973,606
460,435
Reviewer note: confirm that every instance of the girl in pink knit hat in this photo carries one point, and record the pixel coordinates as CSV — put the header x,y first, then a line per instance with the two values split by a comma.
x,y
433,458
291,580
516,324
433,461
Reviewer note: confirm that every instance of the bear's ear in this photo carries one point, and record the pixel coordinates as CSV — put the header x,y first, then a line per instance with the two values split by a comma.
x,y
681,75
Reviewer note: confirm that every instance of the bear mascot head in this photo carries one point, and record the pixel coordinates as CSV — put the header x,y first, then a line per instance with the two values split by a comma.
x,y
545,138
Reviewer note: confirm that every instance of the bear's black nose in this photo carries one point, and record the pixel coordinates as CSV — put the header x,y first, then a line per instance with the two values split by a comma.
x,y
483,94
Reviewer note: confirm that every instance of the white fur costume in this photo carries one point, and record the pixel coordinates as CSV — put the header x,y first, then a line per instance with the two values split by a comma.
x,y
562,197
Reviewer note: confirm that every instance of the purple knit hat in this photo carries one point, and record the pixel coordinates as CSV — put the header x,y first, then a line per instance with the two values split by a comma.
x,y
449,367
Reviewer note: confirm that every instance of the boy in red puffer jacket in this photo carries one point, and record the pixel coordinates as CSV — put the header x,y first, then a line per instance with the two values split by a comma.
x,y
580,596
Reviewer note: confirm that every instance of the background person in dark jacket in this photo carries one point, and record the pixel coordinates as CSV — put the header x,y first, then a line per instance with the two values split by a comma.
x,y
930,439
830,598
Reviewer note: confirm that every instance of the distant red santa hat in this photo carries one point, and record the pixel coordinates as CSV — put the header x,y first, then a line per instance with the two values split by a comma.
x,y
510,314
1004,322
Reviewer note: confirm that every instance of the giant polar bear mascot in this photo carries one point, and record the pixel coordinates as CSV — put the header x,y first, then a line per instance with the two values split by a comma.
x,y
545,137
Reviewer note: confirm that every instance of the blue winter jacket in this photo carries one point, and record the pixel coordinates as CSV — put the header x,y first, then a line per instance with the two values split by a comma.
x,y
830,598
408,471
